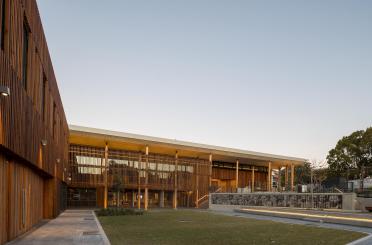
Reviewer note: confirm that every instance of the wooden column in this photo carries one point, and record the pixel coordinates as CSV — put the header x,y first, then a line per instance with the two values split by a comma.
x,y
197,185
279,180
269,177
286,178
133,198
139,182
175,182
237,175
292,177
252,185
210,170
146,179
161,201
106,177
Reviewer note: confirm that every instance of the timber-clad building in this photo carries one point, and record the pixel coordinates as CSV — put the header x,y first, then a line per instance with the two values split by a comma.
x,y
33,127
110,168
47,166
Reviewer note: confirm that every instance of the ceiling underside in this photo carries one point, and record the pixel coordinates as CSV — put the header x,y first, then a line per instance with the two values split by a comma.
x,y
130,144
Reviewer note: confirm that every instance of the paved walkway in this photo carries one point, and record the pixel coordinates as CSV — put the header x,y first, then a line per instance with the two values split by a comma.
x,y
364,241
78,227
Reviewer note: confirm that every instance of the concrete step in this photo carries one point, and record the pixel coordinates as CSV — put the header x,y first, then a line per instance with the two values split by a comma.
x,y
326,217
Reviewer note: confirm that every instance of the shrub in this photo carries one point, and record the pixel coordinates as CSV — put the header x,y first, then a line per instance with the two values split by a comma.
x,y
118,212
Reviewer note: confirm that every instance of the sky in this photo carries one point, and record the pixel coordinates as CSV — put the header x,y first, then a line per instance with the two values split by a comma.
x,y
281,77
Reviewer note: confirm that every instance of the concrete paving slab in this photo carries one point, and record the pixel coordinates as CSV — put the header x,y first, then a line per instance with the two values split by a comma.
x,y
76,227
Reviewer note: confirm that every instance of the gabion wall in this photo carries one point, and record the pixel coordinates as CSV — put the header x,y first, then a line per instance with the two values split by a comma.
x,y
332,200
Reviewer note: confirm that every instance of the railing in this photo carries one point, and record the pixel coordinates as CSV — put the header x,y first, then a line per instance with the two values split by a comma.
x,y
197,202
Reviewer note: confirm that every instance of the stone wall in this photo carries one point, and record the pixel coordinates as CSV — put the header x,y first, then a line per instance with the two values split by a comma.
x,y
293,200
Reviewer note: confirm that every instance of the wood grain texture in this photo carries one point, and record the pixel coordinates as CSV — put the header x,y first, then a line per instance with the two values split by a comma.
x,y
21,196
32,174
21,124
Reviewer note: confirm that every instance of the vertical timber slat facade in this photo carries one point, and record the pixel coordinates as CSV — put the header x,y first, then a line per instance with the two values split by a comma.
x,y
145,171
33,127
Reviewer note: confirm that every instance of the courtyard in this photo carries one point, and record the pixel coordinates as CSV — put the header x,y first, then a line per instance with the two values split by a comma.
x,y
203,227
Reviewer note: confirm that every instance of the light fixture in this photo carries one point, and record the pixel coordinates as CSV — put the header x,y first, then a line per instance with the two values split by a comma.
x,y
44,142
58,160
4,90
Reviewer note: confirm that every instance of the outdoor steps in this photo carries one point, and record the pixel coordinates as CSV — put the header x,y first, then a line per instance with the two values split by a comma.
x,y
335,217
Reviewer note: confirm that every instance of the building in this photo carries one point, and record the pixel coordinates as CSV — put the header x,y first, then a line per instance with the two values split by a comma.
x,y
33,127
45,167
110,168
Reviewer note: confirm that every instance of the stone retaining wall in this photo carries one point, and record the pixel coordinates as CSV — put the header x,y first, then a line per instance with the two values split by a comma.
x,y
293,200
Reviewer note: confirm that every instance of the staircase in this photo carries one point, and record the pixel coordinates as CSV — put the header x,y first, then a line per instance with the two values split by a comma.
x,y
203,202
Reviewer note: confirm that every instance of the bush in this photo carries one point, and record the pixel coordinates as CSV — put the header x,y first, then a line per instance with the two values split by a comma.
x,y
118,212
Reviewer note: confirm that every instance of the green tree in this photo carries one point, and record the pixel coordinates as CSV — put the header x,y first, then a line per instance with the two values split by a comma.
x,y
351,152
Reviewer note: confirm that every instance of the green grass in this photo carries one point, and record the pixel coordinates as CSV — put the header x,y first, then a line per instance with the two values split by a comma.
x,y
199,227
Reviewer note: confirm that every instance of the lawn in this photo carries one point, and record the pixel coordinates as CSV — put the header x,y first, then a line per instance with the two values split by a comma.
x,y
201,227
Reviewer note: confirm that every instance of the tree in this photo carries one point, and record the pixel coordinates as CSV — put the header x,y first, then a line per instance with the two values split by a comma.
x,y
351,152
303,174
117,181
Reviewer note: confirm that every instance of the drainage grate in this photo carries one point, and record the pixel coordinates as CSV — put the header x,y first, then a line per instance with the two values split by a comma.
x,y
90,233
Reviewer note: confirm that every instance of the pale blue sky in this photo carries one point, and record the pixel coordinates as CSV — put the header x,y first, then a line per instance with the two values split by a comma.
x,y
284,77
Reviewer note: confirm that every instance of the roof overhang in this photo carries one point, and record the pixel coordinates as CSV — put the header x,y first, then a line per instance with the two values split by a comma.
x,y
135,142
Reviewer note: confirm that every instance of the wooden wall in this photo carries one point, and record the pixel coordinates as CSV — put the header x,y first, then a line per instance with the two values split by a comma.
x,y
245,177
22,125
21,196
34,172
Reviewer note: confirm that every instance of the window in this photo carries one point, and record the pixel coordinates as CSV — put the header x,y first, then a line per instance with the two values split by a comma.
x,y
43,96
2,33
26,36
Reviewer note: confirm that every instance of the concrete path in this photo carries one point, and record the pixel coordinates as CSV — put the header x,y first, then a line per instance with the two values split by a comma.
x,y
78,227
364,241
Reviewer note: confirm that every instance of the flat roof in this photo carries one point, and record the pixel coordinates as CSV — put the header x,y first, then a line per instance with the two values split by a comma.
x,y
219,153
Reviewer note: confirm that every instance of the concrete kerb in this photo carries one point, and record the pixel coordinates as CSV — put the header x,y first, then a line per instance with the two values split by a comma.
x,y
101,231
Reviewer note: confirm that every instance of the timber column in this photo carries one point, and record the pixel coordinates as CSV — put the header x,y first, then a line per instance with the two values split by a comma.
x,y
286,178
197,185
252,185
147,179
269,177
106,177
292,177
237,175
133,197
175,182
279,180
139,182
210,170
161,203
